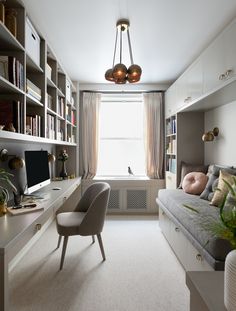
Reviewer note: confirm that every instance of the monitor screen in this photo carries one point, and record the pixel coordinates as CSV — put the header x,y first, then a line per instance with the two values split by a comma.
x,y
37,169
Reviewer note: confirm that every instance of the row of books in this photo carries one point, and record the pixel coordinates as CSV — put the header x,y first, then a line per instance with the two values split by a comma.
x,y
171,127
60,132
49,102
73,117
50,127
10,116
33,90
171,165
12,70
171,147
33,125
61,106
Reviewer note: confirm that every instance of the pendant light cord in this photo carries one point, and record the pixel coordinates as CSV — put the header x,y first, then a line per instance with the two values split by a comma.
x,y
130,49
114,56
121,45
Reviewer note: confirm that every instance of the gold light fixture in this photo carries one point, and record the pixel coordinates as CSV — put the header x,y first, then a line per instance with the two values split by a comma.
x,y
15,163
209,136
119,73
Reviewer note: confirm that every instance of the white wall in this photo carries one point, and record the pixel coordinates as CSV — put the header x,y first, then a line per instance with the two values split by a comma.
x,y
223,149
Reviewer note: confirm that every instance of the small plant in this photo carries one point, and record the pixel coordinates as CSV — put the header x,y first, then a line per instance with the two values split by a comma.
x,y
225,226
5,179
63,156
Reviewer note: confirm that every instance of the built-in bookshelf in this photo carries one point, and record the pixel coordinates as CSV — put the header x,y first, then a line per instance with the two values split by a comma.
x,y
37,97
183,144
171,144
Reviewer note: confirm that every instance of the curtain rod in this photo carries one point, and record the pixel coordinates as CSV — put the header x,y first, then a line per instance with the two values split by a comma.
x,y
123,92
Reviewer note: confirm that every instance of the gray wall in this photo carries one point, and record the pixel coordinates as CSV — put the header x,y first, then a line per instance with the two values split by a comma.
x,y
223,149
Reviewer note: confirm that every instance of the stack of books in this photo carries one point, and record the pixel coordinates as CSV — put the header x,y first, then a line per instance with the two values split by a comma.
x,y
33,90
49,101
33,125
61,106
12,70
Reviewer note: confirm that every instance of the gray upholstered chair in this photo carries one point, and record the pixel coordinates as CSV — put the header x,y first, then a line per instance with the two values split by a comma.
x,y
87,218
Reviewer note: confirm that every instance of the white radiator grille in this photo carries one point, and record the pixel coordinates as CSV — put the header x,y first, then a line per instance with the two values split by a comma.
x,y
114,200
136,199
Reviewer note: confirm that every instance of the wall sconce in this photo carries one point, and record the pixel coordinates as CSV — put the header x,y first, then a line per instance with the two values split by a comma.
x,y
15,163
209,136
51,157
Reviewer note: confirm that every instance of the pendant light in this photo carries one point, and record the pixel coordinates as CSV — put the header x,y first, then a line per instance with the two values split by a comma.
x,y
119,73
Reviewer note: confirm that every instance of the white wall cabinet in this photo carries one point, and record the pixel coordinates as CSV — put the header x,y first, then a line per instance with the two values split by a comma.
x,y
170,101
212,70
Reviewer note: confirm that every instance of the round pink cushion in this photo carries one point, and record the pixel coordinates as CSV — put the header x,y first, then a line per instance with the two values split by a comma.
x,y
194,182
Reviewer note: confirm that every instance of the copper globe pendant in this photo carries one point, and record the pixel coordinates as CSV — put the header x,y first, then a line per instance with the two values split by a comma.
x,y
119,72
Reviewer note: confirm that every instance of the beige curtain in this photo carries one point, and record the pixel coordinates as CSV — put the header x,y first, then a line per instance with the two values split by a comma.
x,y
154,134
89,133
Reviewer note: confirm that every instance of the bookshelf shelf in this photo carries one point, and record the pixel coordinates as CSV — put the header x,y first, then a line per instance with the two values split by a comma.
x,y
9,88
33,101
51,83
32,66
60,93
8,41
5,135
52,112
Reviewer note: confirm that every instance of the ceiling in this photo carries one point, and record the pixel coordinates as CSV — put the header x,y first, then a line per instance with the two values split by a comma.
x,y
166,35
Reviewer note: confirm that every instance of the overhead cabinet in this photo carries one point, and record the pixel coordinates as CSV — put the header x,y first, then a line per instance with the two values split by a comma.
x,y
212,70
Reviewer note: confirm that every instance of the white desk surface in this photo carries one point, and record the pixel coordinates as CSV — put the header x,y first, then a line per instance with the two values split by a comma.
x,y
11,227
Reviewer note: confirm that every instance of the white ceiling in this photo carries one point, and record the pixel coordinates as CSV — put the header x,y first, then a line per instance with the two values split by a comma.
x,y
166,35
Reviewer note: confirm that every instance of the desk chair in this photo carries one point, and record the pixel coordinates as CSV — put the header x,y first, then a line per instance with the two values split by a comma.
x,y
87,218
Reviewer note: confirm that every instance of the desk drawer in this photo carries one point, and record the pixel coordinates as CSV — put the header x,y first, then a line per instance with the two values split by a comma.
x,y
35,227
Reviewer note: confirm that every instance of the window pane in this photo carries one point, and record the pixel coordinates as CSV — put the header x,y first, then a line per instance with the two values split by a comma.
x,y
122,119
116,155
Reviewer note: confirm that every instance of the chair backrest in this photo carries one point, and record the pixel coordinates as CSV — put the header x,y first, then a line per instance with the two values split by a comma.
x,y
94,202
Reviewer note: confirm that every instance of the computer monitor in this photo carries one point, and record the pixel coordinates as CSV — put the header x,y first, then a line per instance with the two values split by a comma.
x,y
37,170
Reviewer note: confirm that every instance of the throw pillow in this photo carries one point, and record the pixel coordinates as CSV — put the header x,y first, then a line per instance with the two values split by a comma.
x,y
213,174
222,188
188,168
194,182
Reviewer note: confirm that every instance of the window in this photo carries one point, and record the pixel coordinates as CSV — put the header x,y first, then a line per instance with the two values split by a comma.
x,y
121,135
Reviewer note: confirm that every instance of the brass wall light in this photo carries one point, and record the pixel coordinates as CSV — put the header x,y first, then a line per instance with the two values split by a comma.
x,y
119,73
209,136
15,163
51,157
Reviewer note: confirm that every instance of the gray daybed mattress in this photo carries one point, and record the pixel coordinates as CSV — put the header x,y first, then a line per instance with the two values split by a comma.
x,y
213,249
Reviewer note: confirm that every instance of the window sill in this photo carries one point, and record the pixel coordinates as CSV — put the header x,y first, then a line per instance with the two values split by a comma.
x,y
121,178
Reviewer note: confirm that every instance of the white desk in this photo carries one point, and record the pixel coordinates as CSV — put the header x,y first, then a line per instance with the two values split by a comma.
x,y
17,231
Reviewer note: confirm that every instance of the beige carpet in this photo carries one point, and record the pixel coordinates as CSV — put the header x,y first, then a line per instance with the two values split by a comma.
x,y
140,274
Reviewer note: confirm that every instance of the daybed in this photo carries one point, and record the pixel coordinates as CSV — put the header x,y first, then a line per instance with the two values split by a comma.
x,y
194,246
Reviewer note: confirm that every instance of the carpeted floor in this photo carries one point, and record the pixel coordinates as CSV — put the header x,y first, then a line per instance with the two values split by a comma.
x,y
140,274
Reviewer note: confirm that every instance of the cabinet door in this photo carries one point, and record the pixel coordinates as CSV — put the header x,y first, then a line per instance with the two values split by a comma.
x,y
230,50
195,81
181,92
170,101
213,65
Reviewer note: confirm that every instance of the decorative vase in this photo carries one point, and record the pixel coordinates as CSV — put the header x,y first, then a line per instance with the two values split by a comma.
x,y
3,209
63,172
230,281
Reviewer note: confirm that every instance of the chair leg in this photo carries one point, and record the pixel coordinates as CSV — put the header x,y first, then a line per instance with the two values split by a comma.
x,y
93,239
59,241
101,245
63,251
